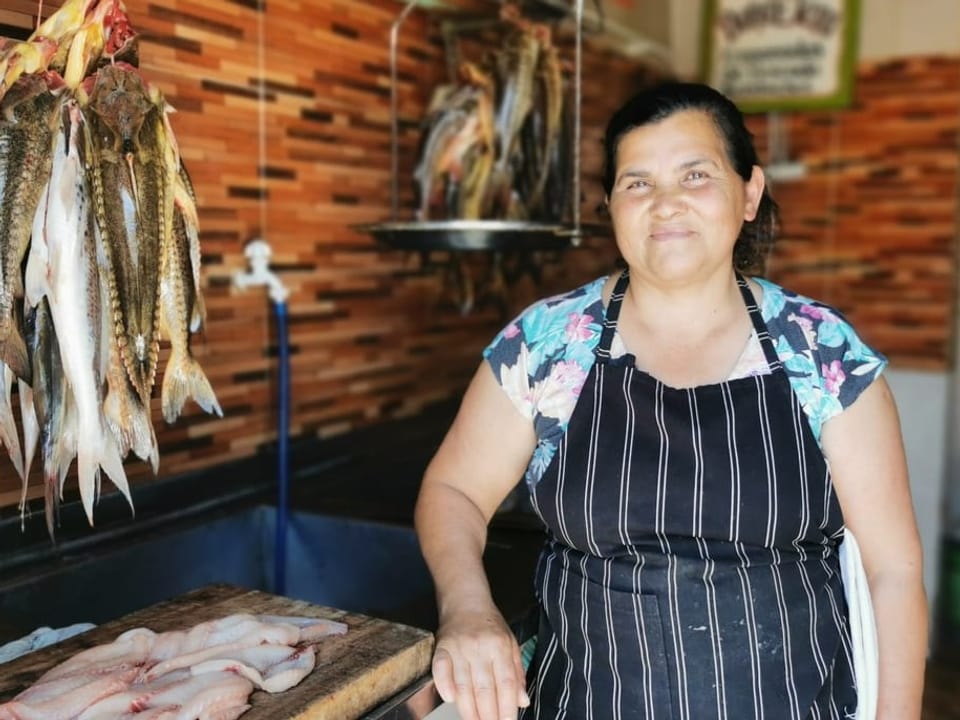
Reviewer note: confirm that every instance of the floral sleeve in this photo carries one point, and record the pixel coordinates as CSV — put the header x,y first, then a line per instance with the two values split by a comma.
x,y
828,364
542,359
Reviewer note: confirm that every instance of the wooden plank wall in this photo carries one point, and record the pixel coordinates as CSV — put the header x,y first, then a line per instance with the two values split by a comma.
x,y
375,333
872,229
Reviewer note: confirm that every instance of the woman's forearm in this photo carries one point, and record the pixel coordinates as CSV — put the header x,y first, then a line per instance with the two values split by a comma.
x,y
900,608
452,534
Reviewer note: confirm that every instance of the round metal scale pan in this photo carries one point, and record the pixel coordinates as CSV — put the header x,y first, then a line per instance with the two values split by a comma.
x,y
474,235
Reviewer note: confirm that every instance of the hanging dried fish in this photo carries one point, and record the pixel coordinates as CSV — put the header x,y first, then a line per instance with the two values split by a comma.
x,y
183,377
133,206
549,79
25,58
8,427
29,117
66,229
57,443
91,181
516,68
457,150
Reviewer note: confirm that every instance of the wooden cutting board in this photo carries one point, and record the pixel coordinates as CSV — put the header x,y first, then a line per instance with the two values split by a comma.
x,y
354,672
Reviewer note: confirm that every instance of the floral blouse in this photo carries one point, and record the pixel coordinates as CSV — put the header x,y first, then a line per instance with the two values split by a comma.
x,y
543,357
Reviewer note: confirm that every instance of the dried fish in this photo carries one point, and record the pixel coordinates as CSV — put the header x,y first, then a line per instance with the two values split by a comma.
x,y
516,68
73,292
29,117
133,207
49,402
25,58
92,183
8,427
185,202
183,377
549,78
457,149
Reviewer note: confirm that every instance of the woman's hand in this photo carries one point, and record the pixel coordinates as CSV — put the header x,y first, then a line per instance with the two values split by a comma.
x,y
477,665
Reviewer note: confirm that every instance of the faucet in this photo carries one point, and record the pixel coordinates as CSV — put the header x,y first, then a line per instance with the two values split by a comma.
x,y
258,255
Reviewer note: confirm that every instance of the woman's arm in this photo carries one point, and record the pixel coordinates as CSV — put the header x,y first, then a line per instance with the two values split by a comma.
x,y
477,662
865,450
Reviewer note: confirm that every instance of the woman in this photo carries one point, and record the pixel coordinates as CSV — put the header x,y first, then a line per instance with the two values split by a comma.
x,y
696,444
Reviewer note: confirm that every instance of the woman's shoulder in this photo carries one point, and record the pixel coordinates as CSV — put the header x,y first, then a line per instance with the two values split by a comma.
x,y
573,315
809,324
829,364
782,305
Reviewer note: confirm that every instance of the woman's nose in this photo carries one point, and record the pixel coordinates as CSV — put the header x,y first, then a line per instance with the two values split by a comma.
x,y
667,201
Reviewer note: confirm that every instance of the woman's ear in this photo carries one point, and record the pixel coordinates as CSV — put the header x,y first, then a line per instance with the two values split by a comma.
x,y
754,193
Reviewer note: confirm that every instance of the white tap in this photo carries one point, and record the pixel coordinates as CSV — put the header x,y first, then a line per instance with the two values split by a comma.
x,y
258,254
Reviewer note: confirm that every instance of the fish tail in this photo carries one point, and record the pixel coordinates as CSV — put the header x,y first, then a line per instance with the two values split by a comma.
x,y
88,473
13,352
184,378
112,464
113,413
90,460
140,434
8,425
51,503
31,430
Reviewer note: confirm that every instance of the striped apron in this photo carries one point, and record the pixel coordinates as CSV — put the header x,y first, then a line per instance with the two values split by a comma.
x,y
690,569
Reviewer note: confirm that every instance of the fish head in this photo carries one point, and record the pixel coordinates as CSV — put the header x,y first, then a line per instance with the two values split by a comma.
x,y
27,89
24,58
120,99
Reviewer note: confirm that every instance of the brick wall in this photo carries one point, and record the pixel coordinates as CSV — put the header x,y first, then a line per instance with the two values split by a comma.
x,y
376,333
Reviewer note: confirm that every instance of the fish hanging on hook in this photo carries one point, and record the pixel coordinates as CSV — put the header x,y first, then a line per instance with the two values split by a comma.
x,y
99,253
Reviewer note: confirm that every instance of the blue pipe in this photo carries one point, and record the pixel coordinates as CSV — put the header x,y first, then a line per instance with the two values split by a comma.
x,y
283,449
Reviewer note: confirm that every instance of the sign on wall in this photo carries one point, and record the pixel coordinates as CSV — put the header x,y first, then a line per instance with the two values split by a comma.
x,y
782,54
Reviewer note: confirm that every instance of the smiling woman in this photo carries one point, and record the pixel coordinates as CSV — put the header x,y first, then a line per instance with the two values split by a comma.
x,y
697,442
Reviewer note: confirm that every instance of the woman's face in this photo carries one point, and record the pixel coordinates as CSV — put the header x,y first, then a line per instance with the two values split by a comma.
x,y
677,203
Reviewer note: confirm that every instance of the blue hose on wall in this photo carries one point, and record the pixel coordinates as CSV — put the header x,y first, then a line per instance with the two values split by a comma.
x,y
258,253
283,450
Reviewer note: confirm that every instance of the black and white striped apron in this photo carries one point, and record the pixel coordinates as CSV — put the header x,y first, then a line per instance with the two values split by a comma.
x,y
690,570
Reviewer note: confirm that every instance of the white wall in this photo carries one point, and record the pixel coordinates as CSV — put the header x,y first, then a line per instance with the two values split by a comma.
x,y
923,402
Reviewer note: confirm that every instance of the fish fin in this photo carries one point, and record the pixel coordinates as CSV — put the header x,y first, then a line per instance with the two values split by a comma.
x,y
90,460
182,379
31,430
112,464
8,426
51,504
31,436
88,472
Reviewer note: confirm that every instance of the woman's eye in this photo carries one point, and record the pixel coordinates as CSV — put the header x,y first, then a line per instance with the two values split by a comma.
x,y
637,185
696,175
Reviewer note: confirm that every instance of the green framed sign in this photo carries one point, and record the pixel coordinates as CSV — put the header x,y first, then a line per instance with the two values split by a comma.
x,y
781,54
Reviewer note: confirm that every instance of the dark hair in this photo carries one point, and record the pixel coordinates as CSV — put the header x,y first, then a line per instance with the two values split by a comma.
x,y
660,102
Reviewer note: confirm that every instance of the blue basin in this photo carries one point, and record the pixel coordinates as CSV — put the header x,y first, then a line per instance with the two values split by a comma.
x,y
356,565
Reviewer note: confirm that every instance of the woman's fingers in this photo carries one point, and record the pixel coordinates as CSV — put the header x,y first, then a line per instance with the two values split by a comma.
x,y
523,700
485,693
477,666
443,675
508,690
